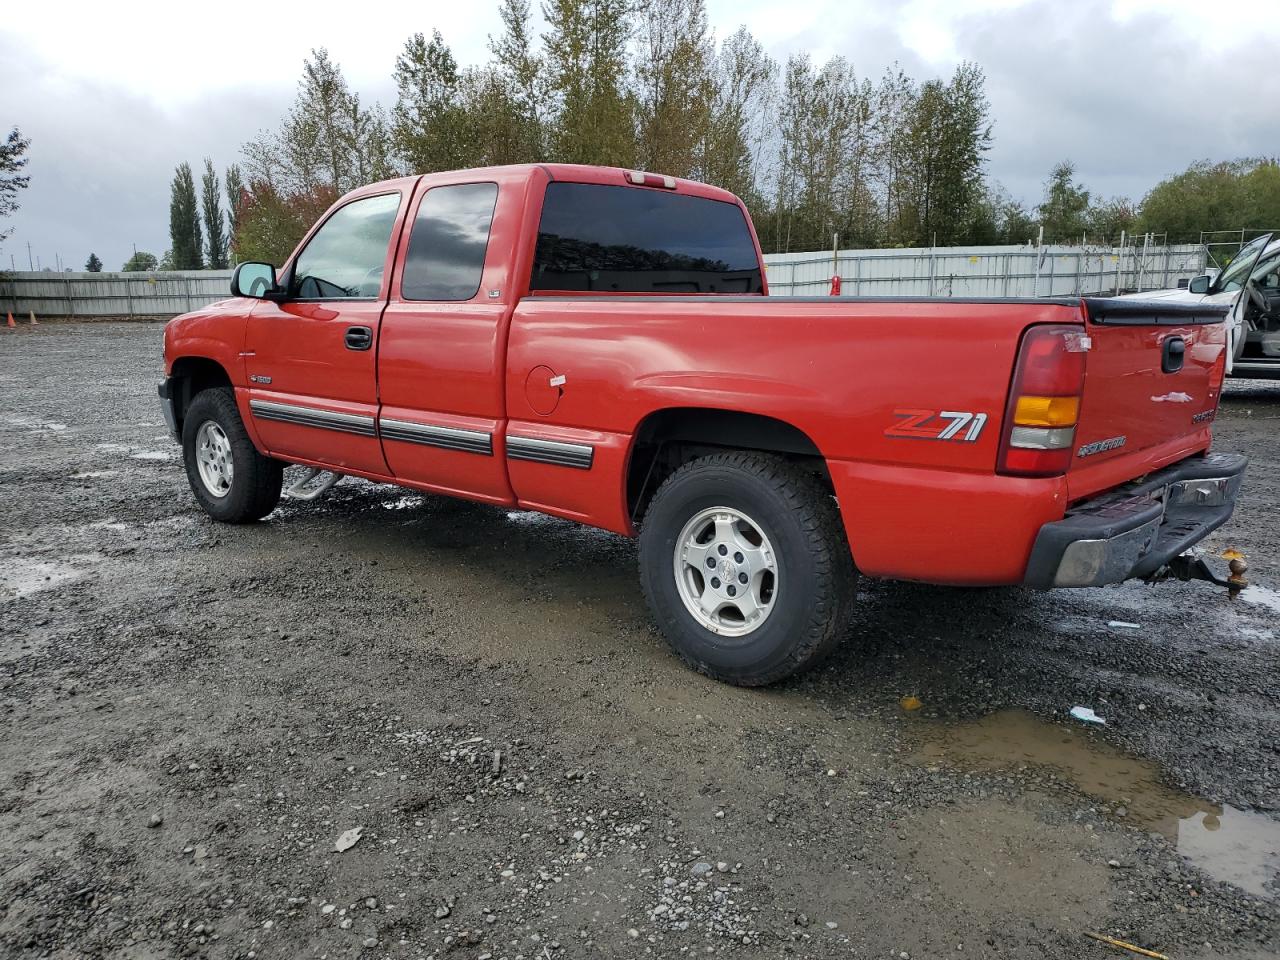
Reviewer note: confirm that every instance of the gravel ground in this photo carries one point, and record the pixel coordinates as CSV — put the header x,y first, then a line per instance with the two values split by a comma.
x,y
197,717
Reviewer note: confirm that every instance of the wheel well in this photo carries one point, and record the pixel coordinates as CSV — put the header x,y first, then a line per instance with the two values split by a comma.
x,y
190,375
668,439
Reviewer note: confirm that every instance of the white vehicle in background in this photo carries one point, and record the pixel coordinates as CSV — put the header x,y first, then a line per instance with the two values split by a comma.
x,y
1251,283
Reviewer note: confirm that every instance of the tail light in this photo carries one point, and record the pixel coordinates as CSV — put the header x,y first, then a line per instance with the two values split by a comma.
x,y
642,179
1044,402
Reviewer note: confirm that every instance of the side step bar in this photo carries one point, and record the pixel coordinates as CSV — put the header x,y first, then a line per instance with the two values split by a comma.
x,y
301,491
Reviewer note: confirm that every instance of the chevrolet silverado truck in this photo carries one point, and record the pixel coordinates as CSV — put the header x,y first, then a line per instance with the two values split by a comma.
x,y
599,344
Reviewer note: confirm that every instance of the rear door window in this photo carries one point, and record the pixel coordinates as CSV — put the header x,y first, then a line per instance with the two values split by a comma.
x,y
596,237
448,243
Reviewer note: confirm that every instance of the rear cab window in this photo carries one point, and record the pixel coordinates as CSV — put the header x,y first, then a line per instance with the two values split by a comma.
x,y
625,239
448,243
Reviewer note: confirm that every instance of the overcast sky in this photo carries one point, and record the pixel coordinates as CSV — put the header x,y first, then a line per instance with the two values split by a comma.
x,y
1131,90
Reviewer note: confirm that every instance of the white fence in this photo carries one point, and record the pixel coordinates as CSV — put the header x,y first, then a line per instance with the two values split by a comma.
x,y
941,272
48,294
985,271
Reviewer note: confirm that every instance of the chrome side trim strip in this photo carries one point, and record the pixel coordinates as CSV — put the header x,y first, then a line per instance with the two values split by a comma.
x,y
311,417
555,452
431,435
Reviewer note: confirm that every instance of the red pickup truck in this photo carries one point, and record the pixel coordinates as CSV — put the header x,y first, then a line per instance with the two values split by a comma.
x,y
599,344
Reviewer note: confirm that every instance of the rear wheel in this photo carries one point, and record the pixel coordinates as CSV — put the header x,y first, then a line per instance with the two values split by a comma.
x,y
745,566
232,481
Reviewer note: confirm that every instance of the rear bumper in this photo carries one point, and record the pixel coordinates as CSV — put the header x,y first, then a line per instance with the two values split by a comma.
x,y
1137,529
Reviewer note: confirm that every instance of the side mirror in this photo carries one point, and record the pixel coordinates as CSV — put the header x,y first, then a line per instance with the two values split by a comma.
x,y
1199,284
257,280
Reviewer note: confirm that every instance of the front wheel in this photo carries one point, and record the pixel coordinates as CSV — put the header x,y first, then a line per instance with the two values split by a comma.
x,y
232,480
745,566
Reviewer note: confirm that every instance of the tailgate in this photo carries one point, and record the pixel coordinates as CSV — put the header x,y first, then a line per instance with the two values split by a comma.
x,y
1152,380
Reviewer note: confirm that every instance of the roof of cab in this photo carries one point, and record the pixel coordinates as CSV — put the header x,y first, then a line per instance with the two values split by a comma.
x,y
567,172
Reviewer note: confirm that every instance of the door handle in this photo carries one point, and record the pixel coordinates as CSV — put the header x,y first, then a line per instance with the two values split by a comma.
x,y
359,338
1172,354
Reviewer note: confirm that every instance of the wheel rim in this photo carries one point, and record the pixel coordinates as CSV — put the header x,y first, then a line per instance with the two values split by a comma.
x,y
726,571
213,458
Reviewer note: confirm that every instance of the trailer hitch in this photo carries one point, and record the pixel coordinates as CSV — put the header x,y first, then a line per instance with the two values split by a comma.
x,y
1194,565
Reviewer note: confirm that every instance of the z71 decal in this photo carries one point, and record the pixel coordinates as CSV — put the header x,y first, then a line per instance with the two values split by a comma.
x,y
937,425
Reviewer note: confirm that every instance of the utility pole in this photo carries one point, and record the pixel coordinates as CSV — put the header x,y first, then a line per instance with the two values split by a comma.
x,y
29,265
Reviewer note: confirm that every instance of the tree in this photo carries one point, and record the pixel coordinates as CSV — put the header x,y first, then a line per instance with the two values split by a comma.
x,y
13,158
739,117
1107,218
673,77
272,224
1235,195
93,264
938,142
1064,212
235,196
184,221
141,261
215,238
327,140
587,65
822,181
429,126
519,71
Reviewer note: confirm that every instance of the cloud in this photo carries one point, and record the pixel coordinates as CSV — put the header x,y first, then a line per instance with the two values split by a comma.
x,y
1132,91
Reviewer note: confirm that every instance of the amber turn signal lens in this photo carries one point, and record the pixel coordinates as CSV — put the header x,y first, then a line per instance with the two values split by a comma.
x,y
1046,411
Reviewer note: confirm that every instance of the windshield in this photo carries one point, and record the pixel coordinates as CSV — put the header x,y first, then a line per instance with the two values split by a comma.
x,y
1233,278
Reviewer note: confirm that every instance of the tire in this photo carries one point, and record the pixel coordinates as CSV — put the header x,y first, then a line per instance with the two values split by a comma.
x,y
794,621
250,489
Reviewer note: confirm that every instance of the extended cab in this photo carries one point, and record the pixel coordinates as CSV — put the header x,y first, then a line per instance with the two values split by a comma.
x,y
598,344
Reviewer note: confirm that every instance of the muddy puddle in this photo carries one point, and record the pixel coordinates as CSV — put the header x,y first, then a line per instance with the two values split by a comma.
x,y
1235,846
22,576
1264,597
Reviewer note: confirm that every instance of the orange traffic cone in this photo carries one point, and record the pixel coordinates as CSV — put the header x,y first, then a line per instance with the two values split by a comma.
x,y
33,319
11,323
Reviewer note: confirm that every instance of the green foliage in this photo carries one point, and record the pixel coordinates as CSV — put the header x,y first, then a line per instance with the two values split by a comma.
x,y
326,140
235,191
215,242
13,158
184,221
1064,211
739,120
1239,194
93,264
1108,219
593,115
140,262
674,83
942,145
428,124
273,223
813,149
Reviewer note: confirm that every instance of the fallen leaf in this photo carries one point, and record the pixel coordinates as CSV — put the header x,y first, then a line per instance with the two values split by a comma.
x,y
911,703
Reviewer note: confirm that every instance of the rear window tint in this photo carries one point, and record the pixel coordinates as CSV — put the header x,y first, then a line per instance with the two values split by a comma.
x,y
448,243
635,240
